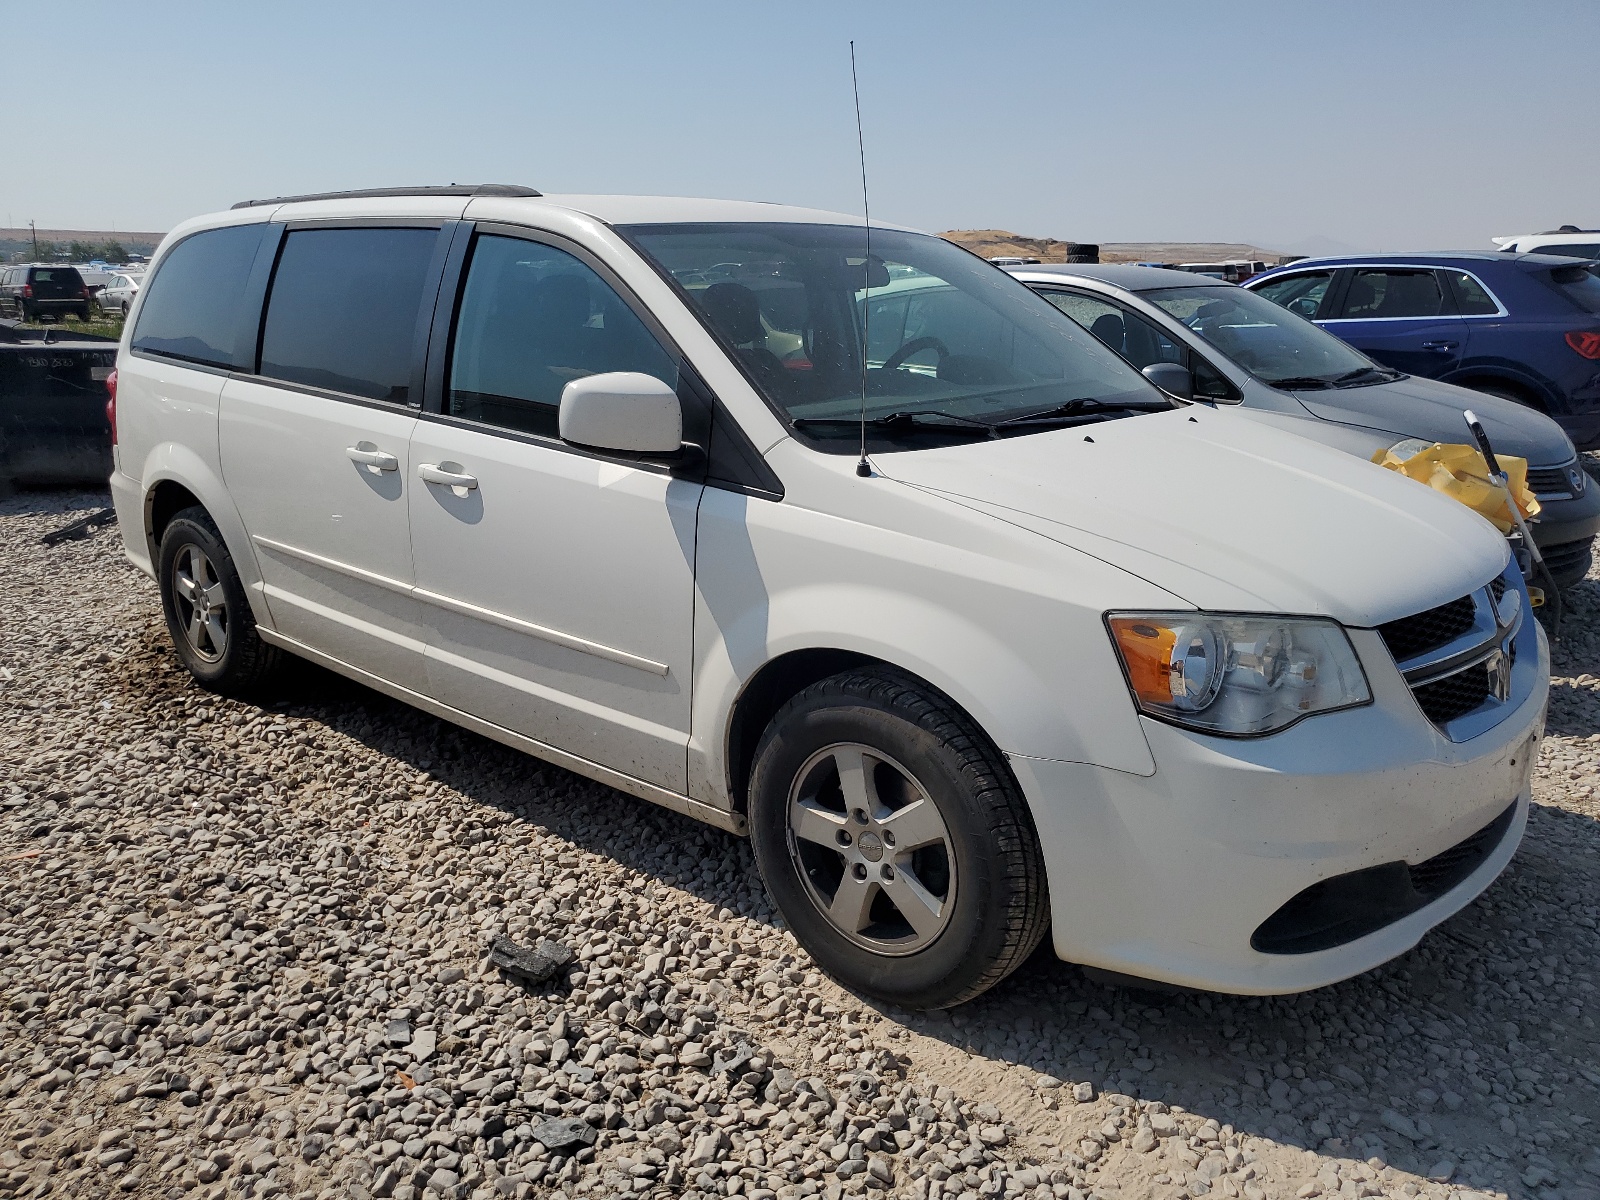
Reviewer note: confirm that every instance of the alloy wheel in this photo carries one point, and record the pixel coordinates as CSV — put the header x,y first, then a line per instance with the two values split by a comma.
x,y
873,849
201,603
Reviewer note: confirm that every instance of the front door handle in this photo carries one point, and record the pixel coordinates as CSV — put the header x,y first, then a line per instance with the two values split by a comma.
x,y
1440,346
372,458
435,473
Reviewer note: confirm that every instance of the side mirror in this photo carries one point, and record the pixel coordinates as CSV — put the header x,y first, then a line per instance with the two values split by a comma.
x,y
622,411
1171,378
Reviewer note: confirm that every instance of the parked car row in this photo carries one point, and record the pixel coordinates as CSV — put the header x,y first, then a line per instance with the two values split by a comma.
x,y
876,555
30,292
1231,345
36,291
1522,326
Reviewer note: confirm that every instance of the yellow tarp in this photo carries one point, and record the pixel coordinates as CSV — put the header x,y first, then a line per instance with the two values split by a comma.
x,y
1462,472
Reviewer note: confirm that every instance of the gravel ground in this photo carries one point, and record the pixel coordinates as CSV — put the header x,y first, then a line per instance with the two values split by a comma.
x,y
242,953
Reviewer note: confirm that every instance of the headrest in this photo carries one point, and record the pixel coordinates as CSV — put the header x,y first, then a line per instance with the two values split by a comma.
x,y
734,309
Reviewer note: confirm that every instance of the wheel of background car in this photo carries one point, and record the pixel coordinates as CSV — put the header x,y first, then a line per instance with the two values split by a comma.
x,y
915,346
207,613
124,308
894,840
1506,391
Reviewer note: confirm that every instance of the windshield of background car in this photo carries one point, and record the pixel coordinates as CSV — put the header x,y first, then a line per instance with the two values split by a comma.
x,y
946,333
1270,342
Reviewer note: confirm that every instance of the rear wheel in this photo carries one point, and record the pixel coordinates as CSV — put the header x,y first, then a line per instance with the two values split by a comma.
x,y
1506,391
894,840
207,613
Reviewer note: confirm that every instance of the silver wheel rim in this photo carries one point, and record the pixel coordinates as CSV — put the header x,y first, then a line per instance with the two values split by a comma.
x,y
201,606
872,849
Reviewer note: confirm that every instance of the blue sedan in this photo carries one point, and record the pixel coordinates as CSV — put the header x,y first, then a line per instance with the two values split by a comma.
x,y
1522,326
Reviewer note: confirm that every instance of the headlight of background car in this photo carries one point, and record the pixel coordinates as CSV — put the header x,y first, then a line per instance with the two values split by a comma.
x,y
1237,675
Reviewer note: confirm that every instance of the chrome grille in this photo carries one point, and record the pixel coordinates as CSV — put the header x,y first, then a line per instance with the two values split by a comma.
x,y
1556,483
1455,695
1458,658
1414,635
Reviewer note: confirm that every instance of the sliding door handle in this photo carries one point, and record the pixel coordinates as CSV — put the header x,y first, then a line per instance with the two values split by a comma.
x,y
1441,347
437,473
372,458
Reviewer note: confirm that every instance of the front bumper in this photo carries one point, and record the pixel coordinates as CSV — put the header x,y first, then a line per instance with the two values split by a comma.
x,y
1168,877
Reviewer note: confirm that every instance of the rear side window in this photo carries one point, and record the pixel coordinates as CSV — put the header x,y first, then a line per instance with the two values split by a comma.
x,y
1580,284
343,309
1301,293
533,318
192,304
1471,298
1376,295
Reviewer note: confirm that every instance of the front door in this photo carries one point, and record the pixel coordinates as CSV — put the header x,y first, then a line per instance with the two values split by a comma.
x,y
315,446
1404,317
559,584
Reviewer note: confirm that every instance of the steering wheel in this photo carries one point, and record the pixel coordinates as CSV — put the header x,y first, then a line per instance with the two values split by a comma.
x,y
915,346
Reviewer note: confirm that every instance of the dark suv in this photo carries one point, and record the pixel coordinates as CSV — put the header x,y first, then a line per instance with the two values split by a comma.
x,y
1522,326
29,293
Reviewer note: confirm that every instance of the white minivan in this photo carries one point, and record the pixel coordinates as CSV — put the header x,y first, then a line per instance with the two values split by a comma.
x,y
973,631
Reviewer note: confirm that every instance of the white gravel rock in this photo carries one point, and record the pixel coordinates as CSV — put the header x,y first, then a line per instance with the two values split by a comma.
x,y
244,945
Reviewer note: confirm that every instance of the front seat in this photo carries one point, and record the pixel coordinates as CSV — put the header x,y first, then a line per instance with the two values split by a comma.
x,y
1109,329
735,311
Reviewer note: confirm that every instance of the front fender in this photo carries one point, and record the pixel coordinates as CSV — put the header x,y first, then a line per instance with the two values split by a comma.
x,y
1006,633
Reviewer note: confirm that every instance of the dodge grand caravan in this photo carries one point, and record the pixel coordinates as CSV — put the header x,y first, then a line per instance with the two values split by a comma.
x,y
975,632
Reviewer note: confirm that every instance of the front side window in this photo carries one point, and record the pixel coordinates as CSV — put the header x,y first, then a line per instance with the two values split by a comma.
x,y
342,312
1271,343
1387,294
532,319
1129,334
192,305
948,338
1300,294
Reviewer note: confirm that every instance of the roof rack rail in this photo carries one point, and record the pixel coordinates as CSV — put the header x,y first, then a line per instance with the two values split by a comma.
x,y
454,189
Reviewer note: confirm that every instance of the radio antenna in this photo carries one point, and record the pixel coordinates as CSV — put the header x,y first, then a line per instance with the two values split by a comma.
x,y
863,468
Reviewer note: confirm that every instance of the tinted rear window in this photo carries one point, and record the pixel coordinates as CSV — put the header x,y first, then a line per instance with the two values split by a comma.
x,y
1570,249
191,307
1580,284
56,281
343,310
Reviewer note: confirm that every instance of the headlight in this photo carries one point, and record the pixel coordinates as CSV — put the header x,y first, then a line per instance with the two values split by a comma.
x,y
1237,675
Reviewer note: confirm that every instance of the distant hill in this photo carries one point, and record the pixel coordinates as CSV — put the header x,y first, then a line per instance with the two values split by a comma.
x,y
991,243
14,242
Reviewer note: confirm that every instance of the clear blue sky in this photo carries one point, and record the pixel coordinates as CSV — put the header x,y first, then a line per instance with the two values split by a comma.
x,y
1384,125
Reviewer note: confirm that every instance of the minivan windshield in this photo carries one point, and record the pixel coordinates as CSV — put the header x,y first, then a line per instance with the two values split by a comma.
x,y
1275,345
954,347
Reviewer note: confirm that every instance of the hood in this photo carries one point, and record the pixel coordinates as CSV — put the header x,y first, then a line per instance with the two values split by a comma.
x,y
1426,408
1225,513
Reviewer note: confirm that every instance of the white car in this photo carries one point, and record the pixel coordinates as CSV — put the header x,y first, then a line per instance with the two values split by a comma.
x,y
118,294
1569,241
1036,647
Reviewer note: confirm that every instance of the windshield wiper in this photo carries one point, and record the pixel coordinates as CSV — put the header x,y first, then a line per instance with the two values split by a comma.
x,y
1368,375
1078,408
921,418
1301,382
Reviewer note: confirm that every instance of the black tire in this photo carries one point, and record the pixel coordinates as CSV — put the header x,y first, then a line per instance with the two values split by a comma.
x,y
1505,391
226,655
993,905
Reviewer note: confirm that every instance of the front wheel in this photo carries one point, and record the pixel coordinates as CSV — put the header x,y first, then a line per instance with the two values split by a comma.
x,y
895,842
207,613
